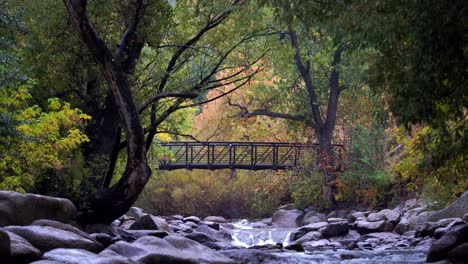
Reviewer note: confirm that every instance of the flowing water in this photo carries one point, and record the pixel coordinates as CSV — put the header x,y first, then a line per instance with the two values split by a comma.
x,y
247,234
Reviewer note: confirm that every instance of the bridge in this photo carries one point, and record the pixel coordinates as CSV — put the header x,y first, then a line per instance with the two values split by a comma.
x,y
239,155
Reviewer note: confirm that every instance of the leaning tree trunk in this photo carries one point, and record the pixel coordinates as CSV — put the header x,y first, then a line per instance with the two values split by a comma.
x,y
112,202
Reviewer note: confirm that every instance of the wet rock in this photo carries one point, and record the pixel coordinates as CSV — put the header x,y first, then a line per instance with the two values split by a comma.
x,y
212,225
457,209
191,224
287,218
459,254
375,217
79,256
347,256
393,216
372,227
322,244
310,236
200,237
313,217
101,228
21,250
175,217
357,216
62,226
126,224
216,219
350,237
313,227
456,236
46,238
192,219
171,249
181,228
217,235
105,239
23,209
335,229
429,228
141,233
135,212
337,220
295,247
4,245
257,256
150,222
439,232
465,217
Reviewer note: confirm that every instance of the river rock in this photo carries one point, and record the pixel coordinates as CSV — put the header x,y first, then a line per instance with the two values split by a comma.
x,y
218,235
104,239
457,209
5,251
456,236
459,254
375,217
21,250
287,218
135,212
46,238
258,256
141,233
79,256
313,227
393,216
216,219
150,222
335,229
357,216
212,225
171,249
429,228
310,236
313,217
192,219
181,228
371,227
23,209
62,226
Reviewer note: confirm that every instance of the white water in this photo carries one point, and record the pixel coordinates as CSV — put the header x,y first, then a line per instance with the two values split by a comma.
x,y
245,235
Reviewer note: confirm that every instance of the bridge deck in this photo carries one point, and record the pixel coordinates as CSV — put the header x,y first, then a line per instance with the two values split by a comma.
x,y
236,155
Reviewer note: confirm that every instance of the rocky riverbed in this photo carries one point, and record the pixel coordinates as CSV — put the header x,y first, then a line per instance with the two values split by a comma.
x,y
39,229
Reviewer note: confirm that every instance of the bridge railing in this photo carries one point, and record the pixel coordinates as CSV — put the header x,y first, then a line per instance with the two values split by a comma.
x,y
235,155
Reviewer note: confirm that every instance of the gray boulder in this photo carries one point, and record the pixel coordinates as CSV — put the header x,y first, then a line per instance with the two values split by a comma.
x,y
287,218
372,227
310,236
192,219
23,209
375,217
5,249
335,229
150,222
46,238
79,256
456,236
456,209
21,250
217,235
393,216
313,217
135,212
171,249
216,219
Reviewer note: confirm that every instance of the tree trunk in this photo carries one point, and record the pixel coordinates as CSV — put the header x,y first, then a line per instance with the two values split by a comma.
x,y
110,203
326,163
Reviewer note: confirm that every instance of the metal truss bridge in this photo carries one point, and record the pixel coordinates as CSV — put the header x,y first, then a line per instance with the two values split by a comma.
x,y
239,155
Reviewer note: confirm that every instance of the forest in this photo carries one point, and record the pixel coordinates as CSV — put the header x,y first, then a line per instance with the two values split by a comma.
x,y
90,89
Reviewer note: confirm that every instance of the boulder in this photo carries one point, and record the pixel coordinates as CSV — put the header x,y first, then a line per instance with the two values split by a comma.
x,y
141,233
459,254
171,249
21,250
150,222
456,236
192,219
104,239
62,226
217,235
313,217
457,209
212,225
261,256
335,229
429,228
216,219
135,212
313,227
393,216
375,217
101,228
371,227
287,218
465,217
5,249
46,238
23,209
357,216
310,236
79,256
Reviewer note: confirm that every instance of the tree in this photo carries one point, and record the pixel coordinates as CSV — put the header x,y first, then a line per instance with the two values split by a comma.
x,y
118,67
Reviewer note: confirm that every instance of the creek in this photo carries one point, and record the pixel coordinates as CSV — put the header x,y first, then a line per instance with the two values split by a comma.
x,y
258,236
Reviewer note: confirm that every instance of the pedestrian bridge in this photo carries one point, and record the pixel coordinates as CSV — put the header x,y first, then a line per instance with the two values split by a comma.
x,y
239,155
